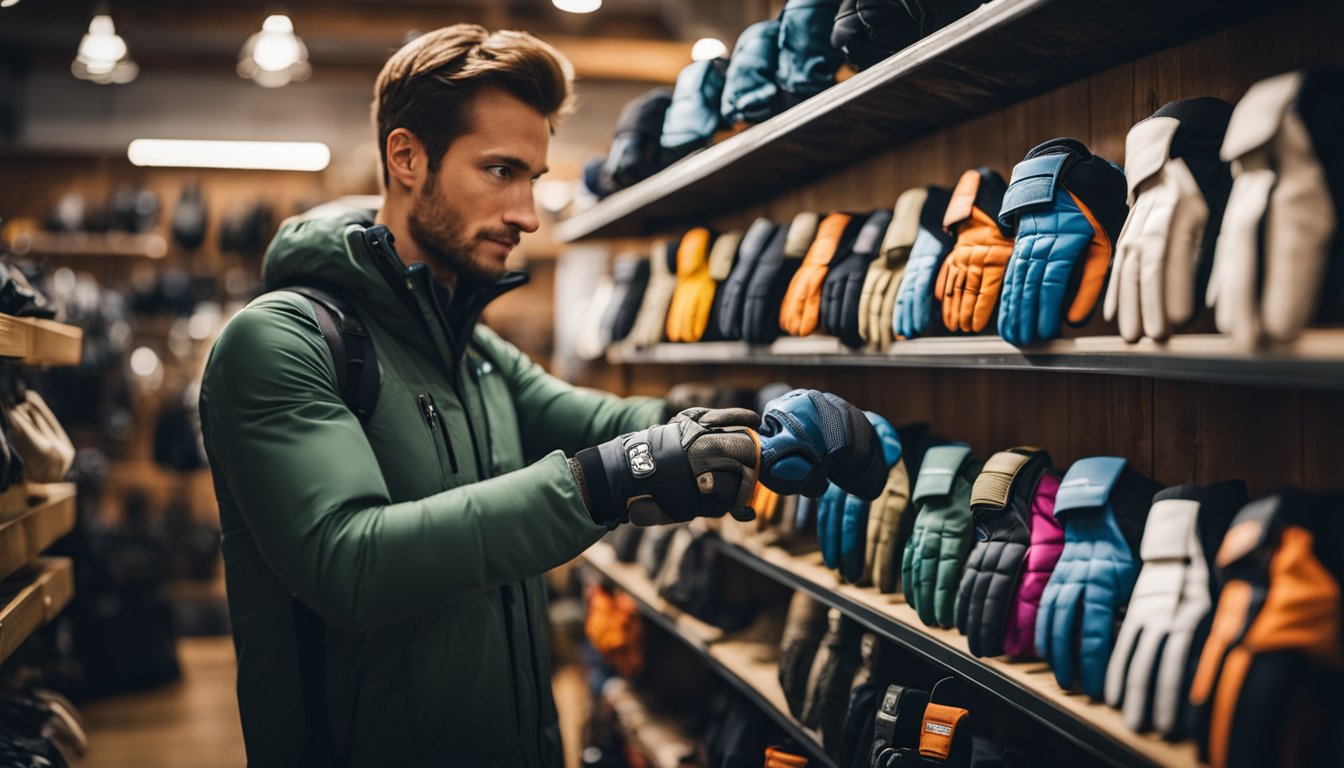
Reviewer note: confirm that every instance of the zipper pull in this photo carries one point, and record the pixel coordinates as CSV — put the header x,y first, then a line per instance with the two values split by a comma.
x,y
427,408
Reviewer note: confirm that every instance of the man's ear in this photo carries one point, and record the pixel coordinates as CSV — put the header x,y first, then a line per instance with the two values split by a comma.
x,y
407,163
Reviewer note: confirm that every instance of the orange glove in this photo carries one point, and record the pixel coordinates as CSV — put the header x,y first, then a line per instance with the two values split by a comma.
x,y
778,758
801,310
972,274
688,314
1275,647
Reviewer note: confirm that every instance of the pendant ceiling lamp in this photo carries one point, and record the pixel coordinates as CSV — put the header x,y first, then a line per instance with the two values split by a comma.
x,y
275,56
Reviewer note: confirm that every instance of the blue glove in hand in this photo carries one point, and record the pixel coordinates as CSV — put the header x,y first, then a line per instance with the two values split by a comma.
x,y
809,438
1067,207
932,244
1103,505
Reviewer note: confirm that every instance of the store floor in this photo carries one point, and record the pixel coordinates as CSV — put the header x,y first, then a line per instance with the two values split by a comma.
x,y
195,720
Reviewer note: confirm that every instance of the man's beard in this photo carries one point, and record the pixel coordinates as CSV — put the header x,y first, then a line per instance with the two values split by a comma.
x,y
439,230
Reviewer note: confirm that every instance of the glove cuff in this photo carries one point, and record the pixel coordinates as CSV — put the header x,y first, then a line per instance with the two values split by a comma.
x,y
592,478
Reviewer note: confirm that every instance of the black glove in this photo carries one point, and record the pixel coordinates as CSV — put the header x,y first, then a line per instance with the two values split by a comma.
x,y
804,626
703,463
733,292
1001,510
843,289
832,677
899,718
631,276
770,280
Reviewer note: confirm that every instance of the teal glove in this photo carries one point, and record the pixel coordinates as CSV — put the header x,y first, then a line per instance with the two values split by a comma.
x,y
936,552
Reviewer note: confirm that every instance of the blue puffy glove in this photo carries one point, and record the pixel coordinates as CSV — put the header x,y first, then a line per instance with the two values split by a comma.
x,y
1103,505
842,518
809,438
1067,207
830,516
749,91
931,245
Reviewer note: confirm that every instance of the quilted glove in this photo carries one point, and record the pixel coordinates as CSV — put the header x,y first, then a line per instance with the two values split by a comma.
x,y
749,91
1178,188
1001,502
1066,206
941,540
972,274
1103,504
1167,620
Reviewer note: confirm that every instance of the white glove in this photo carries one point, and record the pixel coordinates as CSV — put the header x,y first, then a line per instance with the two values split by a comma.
x,y
1178,187
1172,597
1276,239
652,318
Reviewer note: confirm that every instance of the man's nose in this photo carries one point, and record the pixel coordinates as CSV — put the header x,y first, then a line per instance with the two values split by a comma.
x,y
522,212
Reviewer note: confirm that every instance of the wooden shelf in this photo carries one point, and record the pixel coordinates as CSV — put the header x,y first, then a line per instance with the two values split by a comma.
x,y
1029,686
31,598
90,244
747,666
44,343
1316,360
1005,51
49,514
661,739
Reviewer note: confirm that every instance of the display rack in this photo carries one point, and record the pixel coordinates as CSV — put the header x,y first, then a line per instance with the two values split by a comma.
x,y
747,666
32,597
122,245
1001,53
37,342
1315,360
1028,686
48,515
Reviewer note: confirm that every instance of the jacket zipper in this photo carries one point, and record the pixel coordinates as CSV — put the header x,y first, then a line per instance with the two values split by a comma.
x,y
435,424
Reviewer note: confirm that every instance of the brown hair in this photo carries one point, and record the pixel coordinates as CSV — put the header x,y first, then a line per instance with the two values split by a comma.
x,y
428,86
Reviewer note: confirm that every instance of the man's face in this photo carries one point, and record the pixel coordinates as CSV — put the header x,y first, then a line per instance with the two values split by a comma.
x,y
470,215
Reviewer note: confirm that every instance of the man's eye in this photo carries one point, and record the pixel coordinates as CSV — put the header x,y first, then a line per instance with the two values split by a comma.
x,y
500,171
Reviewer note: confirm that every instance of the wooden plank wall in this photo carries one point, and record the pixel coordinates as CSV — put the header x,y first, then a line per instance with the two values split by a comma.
x,y
1175,431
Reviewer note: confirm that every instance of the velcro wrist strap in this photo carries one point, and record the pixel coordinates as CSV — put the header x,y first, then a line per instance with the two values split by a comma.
x,y
829,234
1259,114
1088,483
1166,536
1147,149
941,723
602,506
963,199
994,486
1035,180
722,254
904,226
939,471
802,231
1218,503
899,717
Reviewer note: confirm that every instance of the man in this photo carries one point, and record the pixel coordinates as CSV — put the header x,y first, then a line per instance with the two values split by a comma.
x,y
415,540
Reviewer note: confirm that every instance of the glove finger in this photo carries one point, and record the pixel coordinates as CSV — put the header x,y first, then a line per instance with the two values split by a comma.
x,y
971,281
1141,680
1237,255
926,571
1169,687
1045,619
1064,630
1185,244
1111,303
853,532
1155,246
718,418
909,561
886,318
1098,622
1095,261
1118,668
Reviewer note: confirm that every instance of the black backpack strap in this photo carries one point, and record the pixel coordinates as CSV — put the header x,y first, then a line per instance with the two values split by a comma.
x,y
351,349
356,365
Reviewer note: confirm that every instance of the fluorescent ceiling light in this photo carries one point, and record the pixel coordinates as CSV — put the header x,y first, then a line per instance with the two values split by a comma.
x,y
577,6
708,48
252,155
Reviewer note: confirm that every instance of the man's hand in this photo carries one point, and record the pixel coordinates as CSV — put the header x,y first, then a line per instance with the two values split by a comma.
x,y
702,463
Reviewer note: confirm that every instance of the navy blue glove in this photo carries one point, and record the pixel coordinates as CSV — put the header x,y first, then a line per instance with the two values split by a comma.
x,y
809,438
1103,504
1067,207
732,296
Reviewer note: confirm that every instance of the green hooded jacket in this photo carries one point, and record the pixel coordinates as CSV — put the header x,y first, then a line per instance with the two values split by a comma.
x,y
420,537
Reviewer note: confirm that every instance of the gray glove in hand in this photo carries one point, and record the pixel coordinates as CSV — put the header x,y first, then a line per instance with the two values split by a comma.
x,y
702,463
